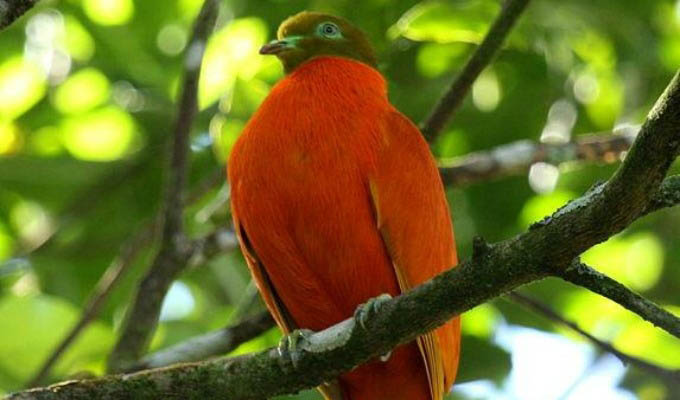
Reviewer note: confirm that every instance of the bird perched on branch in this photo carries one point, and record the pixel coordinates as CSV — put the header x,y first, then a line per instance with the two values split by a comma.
x,y
336,199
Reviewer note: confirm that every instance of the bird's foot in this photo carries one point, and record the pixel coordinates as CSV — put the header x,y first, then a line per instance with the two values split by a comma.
x,y
289,346
368,309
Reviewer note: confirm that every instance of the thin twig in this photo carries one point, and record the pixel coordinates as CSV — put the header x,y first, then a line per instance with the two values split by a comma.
x,y
667,196
222,341
175,249
116,270
582,275
517,157
543,309
211,344
484,54
209,246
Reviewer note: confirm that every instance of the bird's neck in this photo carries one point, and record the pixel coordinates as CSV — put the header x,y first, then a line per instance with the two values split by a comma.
x,y
333,75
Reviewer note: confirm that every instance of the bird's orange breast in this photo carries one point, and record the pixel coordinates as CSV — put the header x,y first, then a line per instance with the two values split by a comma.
x,y
299,186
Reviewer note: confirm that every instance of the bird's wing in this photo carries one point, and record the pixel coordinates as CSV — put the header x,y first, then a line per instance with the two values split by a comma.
x,y
271,298
329,390
413,219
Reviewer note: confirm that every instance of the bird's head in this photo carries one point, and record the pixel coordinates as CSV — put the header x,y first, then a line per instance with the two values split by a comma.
x,y
311,34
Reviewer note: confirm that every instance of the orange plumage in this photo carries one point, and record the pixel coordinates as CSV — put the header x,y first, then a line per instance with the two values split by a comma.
x,y
337,199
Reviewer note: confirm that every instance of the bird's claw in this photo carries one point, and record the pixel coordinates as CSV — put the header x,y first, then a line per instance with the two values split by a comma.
x,y
368,309
290,344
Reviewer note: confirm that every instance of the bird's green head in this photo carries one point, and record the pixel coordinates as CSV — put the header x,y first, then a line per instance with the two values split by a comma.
x,y
310,34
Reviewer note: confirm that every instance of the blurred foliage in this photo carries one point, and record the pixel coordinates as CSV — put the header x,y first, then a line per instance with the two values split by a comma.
x,y
87,89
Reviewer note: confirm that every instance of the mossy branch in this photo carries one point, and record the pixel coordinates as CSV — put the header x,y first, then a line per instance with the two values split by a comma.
x,y
517,157
175,248
11,10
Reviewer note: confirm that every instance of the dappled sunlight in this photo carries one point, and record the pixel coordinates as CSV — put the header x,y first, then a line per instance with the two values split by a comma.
x,y
32,222
643,340
26,285
44,37
561,119
486,91
77,40
127,96
586,88
453,144
481,321
445,22
109,12
10,138
543,177
542,205
81,92
435,59
597,83
635,260
627,331
602,95
232,51
189,8
596,315
103,135
171,39
6,242
22,85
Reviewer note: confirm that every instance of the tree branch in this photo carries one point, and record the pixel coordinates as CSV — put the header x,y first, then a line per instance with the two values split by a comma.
x,y
484,54
214,343
545,249
670,376
667,196
208,345
175,249
10,10
517,157
582,275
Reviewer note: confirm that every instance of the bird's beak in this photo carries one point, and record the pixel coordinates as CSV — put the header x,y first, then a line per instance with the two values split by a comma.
x,y
276,47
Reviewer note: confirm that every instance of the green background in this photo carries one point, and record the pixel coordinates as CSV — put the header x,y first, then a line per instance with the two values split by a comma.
x,y
87,93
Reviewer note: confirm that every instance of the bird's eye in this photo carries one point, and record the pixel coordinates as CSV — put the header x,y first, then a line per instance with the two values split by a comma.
x,y
330,30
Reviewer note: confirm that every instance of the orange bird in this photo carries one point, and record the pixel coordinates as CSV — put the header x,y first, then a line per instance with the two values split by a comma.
x,y
336,199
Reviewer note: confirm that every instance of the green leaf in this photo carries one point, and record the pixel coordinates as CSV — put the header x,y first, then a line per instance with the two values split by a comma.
x,y
446,22
32,326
